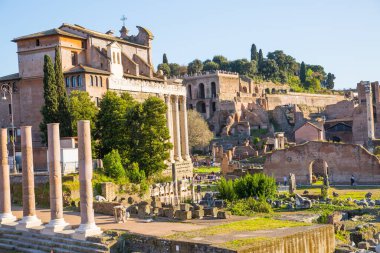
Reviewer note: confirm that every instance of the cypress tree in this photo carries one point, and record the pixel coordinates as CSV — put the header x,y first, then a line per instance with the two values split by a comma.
x,y
165,59
303,73
254,55
63,114
260,60
50,108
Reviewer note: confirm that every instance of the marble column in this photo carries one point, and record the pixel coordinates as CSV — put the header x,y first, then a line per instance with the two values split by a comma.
x,y
87,226
177,131
28,197
5,192
169,124
184,131
57,222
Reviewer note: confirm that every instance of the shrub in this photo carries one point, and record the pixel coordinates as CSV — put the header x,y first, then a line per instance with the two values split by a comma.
x,y
134,174
324,192
113,166
226,189
256,185
248,207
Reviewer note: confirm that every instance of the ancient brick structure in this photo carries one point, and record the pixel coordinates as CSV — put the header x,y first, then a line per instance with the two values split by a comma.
x,y
93,62
342,161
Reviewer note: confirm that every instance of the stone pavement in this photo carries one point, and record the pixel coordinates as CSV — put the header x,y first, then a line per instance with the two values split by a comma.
x,y
106,222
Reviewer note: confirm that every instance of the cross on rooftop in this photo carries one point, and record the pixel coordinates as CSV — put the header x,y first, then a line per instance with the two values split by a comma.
x,y
123,18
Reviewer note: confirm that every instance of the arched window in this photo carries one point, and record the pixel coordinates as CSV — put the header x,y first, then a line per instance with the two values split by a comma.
x,y
73,81
101,81
92,80
201,107
107,83
96,81
67,81
79,79
190,95
213,90
201,90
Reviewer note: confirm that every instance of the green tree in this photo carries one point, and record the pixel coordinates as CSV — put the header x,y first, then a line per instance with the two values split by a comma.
x,y
165,68
330,81
165,59
111,122
243,66
195,66
49,110
209,66
147,141
221,61
254,54
64,115
303,73
113,166
270,70
134,174
175,69
199,132
260,60
82,108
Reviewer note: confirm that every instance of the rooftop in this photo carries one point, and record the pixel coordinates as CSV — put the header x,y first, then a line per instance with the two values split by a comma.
x,y
54,31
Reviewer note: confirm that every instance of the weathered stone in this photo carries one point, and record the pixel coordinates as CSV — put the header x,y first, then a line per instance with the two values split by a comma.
x,y
198,207
334,218
223,215
213,212
183,215
198,214
302,202
169,213
156,204
143,211
363,245
184,207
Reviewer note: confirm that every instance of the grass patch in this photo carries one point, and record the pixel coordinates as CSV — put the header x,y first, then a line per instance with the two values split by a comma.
x,y
206,170
237,244
254,224
355,192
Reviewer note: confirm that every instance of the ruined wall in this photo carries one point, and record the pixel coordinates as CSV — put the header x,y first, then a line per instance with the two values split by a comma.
x,y
307,133
314,239
317,100
343,160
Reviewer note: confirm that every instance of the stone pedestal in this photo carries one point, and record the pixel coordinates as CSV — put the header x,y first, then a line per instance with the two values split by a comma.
x,y
57,222
28,198
5,193
87,226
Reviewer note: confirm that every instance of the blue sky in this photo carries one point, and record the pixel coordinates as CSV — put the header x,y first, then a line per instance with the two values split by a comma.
x,y
341,35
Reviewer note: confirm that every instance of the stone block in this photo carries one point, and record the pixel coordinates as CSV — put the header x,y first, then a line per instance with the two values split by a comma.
x,y
363,245
156,204
184,207
133,210
183,215
213,211
198,214
198,207
223,215
169,213
144,211
335,218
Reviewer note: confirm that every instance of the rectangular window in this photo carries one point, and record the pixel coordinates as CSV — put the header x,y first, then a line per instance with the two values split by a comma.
x,y
67,81
10,109
74,58
37,42
79,81
84,44
97,101
73,81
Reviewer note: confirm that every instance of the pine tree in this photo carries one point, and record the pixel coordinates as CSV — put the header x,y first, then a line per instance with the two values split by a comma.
x,y
165,59
63,114
254,55
260,60
50,108
303,73
330,81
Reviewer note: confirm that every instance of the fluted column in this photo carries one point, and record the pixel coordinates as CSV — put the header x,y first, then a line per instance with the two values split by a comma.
x,y
169,124
177,131
28,197
5,192
57,222
87,226
184,131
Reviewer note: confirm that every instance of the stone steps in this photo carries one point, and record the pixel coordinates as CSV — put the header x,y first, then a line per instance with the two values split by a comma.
x,y
34,242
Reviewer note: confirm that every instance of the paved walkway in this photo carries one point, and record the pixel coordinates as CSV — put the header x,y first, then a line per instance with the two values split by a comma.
x,y
106,222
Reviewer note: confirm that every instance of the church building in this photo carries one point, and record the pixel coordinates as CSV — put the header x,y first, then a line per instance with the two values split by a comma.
x,y
94,62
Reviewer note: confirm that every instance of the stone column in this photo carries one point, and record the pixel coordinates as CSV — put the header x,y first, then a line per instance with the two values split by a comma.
x,y
5,192
57,222
28,198
87,226
177,131
184,131
169,124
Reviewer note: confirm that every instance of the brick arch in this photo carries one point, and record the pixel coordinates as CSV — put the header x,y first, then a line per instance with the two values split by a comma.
x,y
343,160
